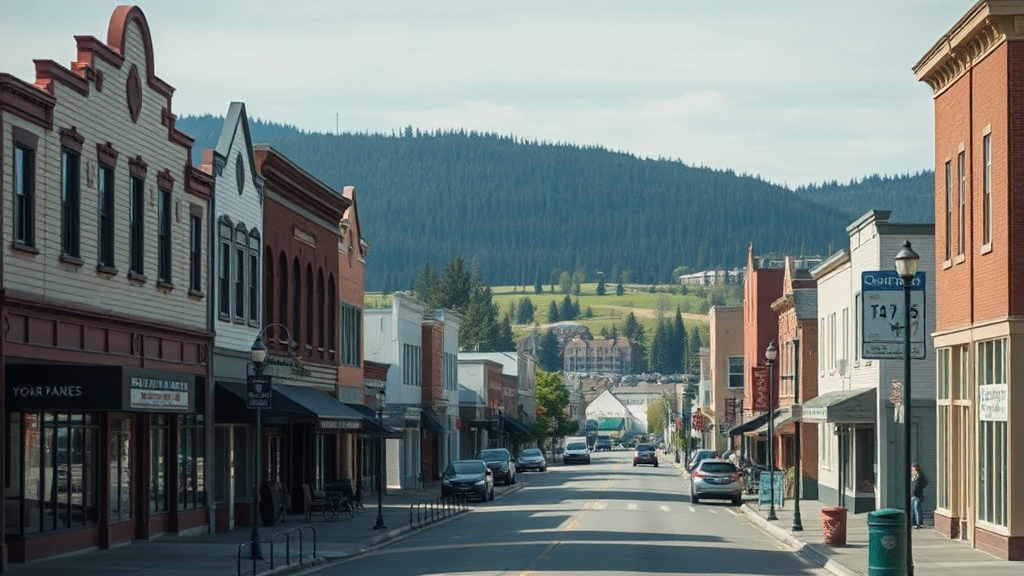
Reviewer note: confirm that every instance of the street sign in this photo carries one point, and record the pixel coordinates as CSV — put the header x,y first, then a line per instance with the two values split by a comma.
x,y
257,390
882,316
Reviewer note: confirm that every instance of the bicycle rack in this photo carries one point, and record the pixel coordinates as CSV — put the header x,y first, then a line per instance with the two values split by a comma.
x,y
271,552
426,512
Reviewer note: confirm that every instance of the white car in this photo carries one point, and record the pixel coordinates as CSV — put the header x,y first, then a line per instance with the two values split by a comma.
x,y
576,451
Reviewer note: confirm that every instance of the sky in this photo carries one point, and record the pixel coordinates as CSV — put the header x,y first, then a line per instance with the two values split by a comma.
x,y
795,92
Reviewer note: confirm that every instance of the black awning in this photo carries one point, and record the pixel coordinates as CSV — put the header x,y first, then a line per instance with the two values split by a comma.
x,y
515,427
369,425
855,406
749,425
298,404
430,421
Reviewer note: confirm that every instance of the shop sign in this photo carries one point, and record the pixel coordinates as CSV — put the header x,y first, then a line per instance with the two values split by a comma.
x,y
158,394
761,389
992,402
339,424
882,316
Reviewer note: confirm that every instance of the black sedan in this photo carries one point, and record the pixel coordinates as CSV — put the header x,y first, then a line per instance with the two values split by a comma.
x,y
470,477
499,460
645,454
531,459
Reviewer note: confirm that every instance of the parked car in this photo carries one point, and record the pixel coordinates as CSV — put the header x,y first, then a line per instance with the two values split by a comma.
x,y
531,459
603,442
716,478
471,477
576,451
499,460
645,454
699,456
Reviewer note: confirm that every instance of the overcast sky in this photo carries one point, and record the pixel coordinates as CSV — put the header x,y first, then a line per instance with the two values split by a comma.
x,y
793,91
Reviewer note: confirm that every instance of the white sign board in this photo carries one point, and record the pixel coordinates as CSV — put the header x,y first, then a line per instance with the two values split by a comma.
x,y
882,316
992,402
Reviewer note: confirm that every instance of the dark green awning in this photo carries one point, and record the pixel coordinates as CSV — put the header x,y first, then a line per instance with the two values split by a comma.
x,y
842,407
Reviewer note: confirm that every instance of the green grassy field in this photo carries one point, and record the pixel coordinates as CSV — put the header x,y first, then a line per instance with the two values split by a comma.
x,y
604,311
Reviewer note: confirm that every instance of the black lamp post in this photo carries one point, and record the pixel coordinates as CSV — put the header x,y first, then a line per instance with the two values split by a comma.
x,y
769,356
906,267
258,355
798,525
381,465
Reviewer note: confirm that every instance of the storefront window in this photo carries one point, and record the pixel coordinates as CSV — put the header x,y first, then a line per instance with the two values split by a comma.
x,y
191,460
993,481
120,468
51,472
158,472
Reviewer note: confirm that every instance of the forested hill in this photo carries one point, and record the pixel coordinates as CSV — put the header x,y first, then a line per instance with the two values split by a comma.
x,y
521,210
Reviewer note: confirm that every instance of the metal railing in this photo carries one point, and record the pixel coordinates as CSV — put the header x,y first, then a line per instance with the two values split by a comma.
x,y
272,554
426,512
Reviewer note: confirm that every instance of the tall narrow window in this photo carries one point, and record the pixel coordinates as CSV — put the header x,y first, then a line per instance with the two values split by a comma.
x,y
159,460
254,276
164,236
195,253
282,299
137,215
24,195
949,211
106,216
70,191
320,310
240,261
191,462
309,306
987,187
297,301
961,172
224,231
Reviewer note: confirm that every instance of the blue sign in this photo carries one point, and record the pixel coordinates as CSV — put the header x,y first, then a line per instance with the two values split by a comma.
x,y
883,318
764,494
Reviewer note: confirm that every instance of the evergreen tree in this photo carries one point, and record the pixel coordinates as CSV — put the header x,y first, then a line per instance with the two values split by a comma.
x,y
620,289
479,329
693,350
678,347
455,288
524,314
503,339
553,313
550,352
552,405
567,311
537,287
565,282
600,286
660,344
425,285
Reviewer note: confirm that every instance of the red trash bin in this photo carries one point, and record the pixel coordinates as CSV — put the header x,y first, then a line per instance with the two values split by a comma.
x,y
833,525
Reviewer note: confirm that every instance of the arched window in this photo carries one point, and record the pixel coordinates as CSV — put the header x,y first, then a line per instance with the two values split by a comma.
x,y
282,303
332,316
309,307
297,300
268,282
320,310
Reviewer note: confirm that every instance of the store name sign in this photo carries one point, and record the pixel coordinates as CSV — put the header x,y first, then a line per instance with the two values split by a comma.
x,y
46,392
152,393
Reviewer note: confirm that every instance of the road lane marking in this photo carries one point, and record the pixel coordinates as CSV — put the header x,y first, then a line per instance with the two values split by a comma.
x,y
631,506
665,508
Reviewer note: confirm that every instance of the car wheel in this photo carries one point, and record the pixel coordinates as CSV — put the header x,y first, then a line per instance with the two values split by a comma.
x,y
543,468
737,500
694,499
655,464
509,480
490,495
634,463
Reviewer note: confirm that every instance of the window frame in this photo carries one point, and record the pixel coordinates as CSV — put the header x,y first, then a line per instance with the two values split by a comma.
x,y
731,373
24,181
165,240
106,213
225,231
137,225
195,272
986,227
71,196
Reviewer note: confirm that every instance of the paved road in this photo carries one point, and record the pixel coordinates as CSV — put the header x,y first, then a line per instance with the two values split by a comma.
x,y
606,518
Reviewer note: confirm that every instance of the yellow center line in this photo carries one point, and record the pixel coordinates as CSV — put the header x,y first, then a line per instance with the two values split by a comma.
x,y
572,526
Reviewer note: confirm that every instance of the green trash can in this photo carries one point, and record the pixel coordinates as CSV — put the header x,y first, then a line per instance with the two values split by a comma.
x,y
887,542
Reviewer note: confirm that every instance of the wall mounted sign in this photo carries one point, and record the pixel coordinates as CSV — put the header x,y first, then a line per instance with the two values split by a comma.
x,y
882,316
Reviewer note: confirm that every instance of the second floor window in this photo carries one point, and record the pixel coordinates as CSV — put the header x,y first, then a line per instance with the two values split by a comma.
x,y
735,372
351,334
164,236
24,195
70,191
195,253
106,215
137,245
224,267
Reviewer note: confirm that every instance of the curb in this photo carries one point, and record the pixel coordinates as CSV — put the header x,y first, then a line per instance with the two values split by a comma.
x,y
809,552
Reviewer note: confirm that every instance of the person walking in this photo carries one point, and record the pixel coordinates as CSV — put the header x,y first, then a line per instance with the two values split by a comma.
x,y
918,482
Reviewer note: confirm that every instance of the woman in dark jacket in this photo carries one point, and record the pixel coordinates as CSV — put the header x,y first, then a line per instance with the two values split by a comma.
x,y
918,482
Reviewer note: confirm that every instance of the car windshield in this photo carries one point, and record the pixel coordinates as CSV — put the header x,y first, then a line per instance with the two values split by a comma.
x,y
718,467
466,467
576,446
531,453
493,454
644,448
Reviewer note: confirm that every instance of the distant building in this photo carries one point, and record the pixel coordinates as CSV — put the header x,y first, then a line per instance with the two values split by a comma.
x,y
712,277
598,356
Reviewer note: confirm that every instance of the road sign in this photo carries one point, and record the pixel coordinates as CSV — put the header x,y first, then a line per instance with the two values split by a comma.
x,y
882,316
257,390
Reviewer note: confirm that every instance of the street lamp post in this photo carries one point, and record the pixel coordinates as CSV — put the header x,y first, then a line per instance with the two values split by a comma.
x,y
798,525
380,465
258,355
906,266
769,356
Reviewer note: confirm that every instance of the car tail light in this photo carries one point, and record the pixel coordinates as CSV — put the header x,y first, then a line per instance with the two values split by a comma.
x,y
735,476
699,474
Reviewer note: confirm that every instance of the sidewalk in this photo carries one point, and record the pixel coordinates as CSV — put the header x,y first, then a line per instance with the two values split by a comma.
x,y
217,554
933,555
